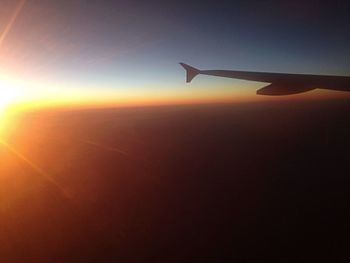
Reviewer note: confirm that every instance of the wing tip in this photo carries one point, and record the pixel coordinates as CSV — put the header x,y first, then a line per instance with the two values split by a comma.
x,y
191,72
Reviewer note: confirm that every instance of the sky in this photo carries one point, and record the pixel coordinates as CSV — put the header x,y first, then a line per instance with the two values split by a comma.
x,y
129,50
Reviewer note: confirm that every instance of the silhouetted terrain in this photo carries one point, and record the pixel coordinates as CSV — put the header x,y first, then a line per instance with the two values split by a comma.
x,y
246,182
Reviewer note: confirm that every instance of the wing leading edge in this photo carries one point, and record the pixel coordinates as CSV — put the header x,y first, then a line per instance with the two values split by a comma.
x,y
281,83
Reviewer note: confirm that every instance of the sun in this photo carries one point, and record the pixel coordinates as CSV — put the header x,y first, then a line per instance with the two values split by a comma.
x,y
8,95
6,98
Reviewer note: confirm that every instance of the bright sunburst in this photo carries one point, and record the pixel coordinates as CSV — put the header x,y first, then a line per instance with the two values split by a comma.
x,y
9,95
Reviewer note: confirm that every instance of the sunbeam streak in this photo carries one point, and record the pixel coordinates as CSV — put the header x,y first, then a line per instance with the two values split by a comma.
x,y
108,148
36,168
12,21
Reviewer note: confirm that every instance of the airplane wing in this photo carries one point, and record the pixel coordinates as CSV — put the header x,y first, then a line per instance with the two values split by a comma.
x,y
280,83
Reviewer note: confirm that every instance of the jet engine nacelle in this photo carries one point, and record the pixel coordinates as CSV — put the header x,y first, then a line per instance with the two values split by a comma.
x,y
283,89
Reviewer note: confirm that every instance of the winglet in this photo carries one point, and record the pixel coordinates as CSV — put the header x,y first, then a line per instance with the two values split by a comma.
x,y
191,72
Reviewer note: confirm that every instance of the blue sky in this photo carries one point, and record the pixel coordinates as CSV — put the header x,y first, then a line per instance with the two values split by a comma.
x,y
137,45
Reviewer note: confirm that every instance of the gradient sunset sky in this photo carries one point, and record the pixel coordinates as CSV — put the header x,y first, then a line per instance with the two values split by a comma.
x,y
129,50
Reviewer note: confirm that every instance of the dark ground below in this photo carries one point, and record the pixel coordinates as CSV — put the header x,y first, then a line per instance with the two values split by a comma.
x,y
243,183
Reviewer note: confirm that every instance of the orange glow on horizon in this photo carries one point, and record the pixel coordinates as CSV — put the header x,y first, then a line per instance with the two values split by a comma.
x,y
20,95
23,99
